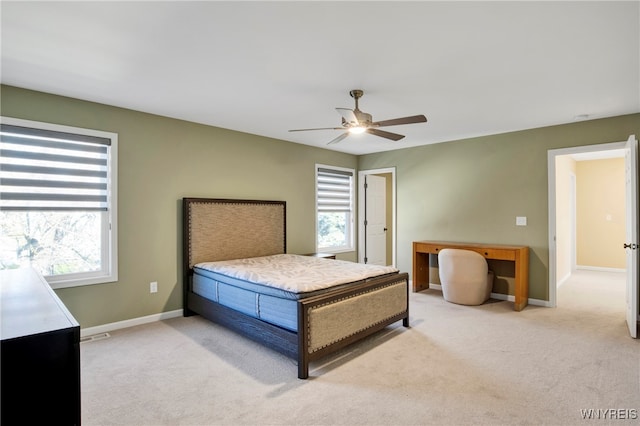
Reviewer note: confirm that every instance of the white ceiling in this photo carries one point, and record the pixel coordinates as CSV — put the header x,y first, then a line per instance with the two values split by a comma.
x,y
473,68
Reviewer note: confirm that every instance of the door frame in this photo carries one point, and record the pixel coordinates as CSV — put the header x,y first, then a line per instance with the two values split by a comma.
x,y
551,162
361,210
631,233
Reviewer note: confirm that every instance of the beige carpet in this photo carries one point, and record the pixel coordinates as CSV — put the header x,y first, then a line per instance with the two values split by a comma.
x,y
456,365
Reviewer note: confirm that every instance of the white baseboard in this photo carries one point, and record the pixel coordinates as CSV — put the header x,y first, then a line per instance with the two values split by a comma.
x,y
530,301
105,328
499,296
599,268
563,280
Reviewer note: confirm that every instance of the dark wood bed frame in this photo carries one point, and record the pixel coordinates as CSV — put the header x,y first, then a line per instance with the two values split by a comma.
x,y
223,229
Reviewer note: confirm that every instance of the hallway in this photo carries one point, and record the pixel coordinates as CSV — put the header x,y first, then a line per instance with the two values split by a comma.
x,y
595,292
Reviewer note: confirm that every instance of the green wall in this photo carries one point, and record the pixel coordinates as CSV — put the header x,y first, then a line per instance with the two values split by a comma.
x,y
466,190
161,160
472,190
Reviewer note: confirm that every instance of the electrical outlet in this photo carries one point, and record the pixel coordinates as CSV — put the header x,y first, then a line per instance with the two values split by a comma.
x,y
153,287
521,221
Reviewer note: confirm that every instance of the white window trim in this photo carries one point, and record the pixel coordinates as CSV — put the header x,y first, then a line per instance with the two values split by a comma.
x,y
110,224
351,224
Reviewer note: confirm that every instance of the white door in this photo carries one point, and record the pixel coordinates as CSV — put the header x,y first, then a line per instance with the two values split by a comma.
x,y
631,245
375,220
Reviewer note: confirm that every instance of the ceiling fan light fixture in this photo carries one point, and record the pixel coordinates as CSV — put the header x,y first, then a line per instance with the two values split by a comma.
x,y
357,130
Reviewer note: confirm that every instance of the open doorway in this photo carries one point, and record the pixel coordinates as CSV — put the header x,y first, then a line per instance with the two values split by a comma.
x,y
377,205
587,227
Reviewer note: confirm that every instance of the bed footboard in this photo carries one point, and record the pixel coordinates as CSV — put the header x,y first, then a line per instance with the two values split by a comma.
x,y
329,322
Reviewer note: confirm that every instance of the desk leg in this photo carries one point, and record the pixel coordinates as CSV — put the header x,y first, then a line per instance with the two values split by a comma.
x,y
520,302
420,271
522,280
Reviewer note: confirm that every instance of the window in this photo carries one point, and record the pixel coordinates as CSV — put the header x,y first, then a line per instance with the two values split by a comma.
x,y
58,202
334,207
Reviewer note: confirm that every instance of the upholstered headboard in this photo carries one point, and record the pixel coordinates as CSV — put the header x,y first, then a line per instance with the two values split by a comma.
x,y
223,229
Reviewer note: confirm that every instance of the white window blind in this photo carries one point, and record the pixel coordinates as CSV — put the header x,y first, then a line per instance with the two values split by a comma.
x,y
50,170
334,190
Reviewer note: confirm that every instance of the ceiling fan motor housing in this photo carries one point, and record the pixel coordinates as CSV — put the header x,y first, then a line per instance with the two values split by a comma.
x,y
364,119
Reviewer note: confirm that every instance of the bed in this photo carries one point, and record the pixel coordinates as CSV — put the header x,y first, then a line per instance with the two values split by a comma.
x,y
237,273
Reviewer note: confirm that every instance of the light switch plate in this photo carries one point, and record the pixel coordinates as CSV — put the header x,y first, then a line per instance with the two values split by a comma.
x,y
521,221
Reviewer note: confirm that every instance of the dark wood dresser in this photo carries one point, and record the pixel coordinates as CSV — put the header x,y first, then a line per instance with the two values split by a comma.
x,y
40,353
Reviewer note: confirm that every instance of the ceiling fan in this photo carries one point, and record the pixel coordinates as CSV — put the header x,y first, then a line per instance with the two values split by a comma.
x,y
355,122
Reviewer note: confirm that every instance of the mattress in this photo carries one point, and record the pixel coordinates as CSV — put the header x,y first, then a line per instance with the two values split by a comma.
x,y
268,287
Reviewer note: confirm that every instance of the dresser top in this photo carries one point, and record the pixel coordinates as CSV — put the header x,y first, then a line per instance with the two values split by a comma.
x,y
28,305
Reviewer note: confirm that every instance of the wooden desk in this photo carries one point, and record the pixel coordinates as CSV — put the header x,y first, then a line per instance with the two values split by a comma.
x,y
517,254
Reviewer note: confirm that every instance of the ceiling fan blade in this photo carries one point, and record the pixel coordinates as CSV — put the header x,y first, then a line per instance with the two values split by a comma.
x,y
383,134
339,138
403,120
318,128
348,115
